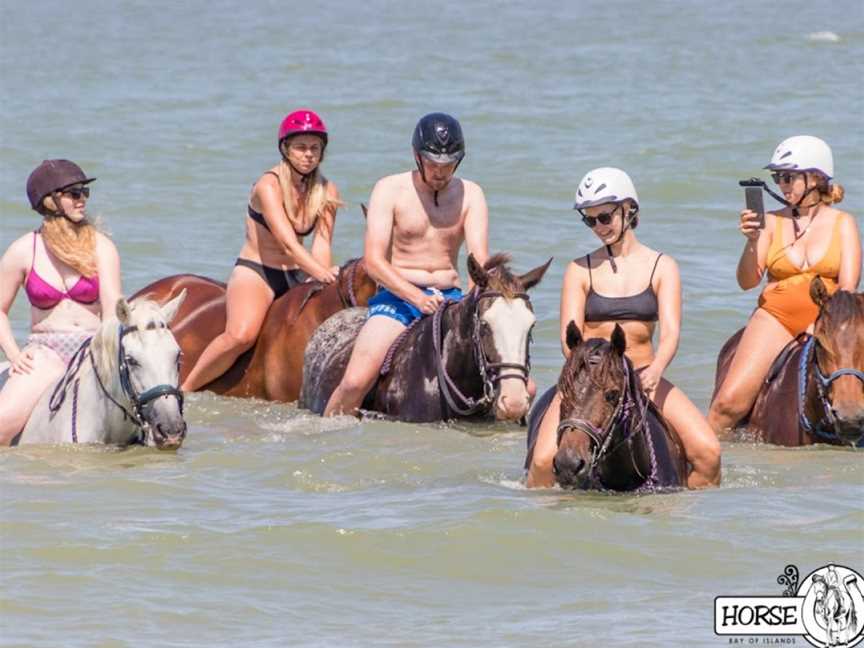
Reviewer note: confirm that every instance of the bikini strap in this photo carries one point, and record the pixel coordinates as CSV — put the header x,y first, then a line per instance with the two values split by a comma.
x,y
590,277
33,260
651,278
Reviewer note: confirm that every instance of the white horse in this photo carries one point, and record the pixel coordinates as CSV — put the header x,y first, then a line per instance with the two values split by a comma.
x,y
121,387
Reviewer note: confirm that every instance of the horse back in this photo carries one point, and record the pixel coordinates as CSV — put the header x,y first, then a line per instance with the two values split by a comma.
x,y
774,417
326,356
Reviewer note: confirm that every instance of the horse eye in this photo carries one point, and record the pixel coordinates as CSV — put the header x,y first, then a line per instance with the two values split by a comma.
x,y
132,362
612,396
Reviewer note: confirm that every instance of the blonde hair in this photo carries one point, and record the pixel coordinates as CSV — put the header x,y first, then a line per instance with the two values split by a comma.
x,y
831,193
73,243
316,200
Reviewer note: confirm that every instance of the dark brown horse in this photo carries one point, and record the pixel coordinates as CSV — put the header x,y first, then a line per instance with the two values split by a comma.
x,y
273,368
469,359
814,393
611,437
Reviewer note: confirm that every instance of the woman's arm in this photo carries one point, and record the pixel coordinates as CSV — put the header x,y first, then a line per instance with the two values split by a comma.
x,y
108,265
322,245
850,253
270,197
751,265
669,306
573,293
13,272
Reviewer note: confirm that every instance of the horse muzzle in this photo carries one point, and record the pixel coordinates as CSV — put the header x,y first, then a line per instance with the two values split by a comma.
x,y
571,470
167,436
850,430
512,402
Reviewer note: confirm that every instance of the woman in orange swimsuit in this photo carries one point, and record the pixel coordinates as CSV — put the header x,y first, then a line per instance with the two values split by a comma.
x,y
806,239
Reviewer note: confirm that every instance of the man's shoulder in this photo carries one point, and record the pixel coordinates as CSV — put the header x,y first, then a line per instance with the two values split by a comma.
x,y
397,180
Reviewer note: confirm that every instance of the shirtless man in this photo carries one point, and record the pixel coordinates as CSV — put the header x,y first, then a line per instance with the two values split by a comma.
x,y
415,226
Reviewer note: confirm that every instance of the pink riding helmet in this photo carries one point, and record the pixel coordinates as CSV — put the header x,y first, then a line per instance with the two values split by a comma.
x,y
302,122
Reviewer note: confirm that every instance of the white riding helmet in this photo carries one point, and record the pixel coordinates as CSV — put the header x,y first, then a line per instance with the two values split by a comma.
x,y
605,185
803,153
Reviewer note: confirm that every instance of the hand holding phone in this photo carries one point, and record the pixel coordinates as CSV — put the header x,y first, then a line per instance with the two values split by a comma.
x,y
753,200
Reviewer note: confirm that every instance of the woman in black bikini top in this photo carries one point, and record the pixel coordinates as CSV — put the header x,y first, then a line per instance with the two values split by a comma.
x,y
289,202
626,283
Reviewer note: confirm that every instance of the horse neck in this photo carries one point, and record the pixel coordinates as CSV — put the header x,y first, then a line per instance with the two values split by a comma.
x,y
108,423
460,356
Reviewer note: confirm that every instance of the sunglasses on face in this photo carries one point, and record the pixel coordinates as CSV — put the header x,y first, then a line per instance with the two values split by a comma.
x,y
75,193
784,177
604,219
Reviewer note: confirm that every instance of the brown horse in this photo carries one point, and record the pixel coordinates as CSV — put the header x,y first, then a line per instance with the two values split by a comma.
x,y
611,437
273,368
814,393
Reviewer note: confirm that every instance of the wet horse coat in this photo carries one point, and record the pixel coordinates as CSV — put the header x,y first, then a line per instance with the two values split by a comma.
x,y
273,368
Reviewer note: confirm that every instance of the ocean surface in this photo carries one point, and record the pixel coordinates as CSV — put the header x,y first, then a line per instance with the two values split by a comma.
x,y
272,527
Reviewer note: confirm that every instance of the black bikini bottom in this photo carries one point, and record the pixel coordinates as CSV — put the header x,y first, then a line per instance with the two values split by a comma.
x,y
279,280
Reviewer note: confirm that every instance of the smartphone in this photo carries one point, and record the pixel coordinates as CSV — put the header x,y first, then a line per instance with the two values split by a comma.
x,y
753,198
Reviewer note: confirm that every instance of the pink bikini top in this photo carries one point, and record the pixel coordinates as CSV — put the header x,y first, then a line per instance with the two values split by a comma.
x,y
44,296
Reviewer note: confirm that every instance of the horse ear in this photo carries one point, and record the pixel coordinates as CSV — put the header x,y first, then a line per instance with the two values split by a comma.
x,y
533,277
818,292
123,311
478,275
573,336
619,340
170,309
364,210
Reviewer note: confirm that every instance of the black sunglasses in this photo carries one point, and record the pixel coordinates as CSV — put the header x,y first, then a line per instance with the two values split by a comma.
x,y
76,192
604,219
784,177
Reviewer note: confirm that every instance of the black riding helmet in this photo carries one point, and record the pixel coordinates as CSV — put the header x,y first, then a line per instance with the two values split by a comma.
x,y
438,138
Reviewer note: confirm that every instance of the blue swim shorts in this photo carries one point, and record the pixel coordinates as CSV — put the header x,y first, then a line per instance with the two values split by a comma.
x,y
386,304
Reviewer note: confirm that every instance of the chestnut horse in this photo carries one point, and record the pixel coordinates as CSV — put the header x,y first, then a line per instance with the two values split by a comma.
x,y
468,360
273,368
814,393
611,436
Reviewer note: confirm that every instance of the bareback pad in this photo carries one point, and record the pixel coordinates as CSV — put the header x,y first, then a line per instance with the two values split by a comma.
x,y
327,355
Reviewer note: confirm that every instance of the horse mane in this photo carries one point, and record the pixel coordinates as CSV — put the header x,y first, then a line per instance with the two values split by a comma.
x,y
583,355
843,306
143,313
500,277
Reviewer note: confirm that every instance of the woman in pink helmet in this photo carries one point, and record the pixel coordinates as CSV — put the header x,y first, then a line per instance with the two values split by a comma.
x,y
289,202
70,272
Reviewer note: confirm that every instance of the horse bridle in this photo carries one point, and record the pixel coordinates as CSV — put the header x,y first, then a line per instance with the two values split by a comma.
x,y
602,445
491,373
138,400
823,384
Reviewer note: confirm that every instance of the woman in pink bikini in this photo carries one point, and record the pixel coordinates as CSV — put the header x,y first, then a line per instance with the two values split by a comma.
x,y
70,272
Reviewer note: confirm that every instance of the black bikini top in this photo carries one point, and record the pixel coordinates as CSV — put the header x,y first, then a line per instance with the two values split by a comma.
x,y
641,307
258,217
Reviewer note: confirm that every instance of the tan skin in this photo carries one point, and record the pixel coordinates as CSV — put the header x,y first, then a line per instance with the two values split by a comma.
x,y
764,337
411,242
248,296
635,262
34,368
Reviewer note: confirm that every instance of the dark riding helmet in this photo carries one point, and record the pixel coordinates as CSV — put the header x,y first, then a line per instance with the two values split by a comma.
x,y
438,138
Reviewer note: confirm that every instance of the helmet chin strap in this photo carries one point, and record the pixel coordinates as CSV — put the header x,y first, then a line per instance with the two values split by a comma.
x,y
625,222
423,177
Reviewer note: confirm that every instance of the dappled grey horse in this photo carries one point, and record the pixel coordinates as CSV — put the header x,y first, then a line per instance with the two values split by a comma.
x,y
121,387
